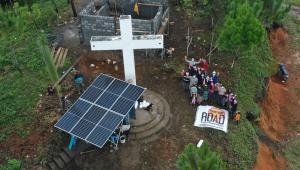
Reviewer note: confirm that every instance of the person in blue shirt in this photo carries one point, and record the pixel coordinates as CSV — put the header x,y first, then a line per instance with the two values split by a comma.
x,y
215,77
78,79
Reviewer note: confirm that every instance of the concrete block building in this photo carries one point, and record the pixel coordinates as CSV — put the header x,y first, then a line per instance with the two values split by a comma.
x,y
101,18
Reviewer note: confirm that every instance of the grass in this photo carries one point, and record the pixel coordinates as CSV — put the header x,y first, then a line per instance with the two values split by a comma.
x,y
12,164
23,75
292,154
292,151
293,2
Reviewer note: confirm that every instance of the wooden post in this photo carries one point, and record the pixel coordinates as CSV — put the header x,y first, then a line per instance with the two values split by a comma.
x,y
73,8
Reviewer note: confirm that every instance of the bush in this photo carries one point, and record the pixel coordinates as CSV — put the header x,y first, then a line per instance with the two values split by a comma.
x,y
201,158
12,164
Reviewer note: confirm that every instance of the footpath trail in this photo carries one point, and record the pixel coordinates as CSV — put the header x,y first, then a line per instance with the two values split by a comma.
x,y
280,114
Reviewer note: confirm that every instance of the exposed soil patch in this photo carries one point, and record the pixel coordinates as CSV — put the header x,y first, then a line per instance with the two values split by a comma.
x,y
22,146
280,109
268,160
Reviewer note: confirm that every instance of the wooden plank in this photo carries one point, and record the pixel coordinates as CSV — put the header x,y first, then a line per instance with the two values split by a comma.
x,y
60,57
68,71
62,61
56,55
149,4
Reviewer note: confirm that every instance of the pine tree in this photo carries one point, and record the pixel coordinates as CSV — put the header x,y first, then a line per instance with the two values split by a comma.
x,y
202,158
242,30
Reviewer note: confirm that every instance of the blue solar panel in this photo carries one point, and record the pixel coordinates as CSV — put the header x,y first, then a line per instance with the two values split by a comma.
x,y
117,87
91,94
107,99
133,92
111,121
83,128
99,136
100,109
94,114
79,108
122,106
102,81
67,121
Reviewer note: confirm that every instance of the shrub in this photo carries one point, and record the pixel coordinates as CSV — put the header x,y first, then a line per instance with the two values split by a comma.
x,y
201,158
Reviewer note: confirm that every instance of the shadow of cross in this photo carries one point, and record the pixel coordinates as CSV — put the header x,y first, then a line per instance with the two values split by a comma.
x,y
127,42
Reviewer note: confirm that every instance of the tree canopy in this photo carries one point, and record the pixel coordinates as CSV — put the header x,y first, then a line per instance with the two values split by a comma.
x,y
202,158
242,30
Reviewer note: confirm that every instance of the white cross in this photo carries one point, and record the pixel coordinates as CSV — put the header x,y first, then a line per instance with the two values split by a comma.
x,y
127,43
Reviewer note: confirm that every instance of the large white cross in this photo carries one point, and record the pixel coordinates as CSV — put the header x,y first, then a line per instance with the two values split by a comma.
x,y
127,43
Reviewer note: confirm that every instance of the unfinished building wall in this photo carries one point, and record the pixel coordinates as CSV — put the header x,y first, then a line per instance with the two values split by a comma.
x,y
99,23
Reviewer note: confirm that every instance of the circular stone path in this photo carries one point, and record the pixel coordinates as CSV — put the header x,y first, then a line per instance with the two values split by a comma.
x,y
148,125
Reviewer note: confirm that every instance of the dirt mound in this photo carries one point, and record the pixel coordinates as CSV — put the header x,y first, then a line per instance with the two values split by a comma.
x,y
267,160
278,38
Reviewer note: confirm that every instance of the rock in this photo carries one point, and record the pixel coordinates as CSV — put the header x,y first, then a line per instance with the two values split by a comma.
x,y
116,67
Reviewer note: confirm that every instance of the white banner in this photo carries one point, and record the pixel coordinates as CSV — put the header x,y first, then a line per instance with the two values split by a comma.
x,y
210,116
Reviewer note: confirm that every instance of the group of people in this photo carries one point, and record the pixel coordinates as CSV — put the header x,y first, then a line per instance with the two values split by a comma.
x,y
205,87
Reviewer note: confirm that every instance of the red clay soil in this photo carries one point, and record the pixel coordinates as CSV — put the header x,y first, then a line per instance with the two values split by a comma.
x,y
22,147
280,109
268,160
281,106
101,65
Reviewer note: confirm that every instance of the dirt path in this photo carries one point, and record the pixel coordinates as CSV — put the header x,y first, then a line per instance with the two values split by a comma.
x,y
280,109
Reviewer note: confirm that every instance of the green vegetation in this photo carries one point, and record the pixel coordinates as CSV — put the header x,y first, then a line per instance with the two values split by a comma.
x,y
242,31
293,2
292,150
23,76
292,154
12,164
203,7
242,38
202,158
253,63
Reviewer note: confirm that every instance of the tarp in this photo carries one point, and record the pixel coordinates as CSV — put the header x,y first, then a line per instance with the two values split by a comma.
x,y
212,117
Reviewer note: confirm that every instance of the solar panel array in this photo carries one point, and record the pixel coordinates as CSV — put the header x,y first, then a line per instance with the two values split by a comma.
x,y
100,109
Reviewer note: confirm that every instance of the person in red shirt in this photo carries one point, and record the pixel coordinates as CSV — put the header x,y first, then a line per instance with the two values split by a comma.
x,y
211,90
205,65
